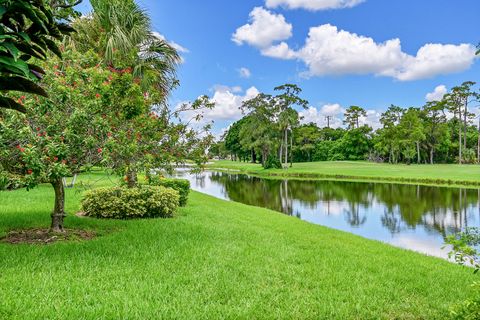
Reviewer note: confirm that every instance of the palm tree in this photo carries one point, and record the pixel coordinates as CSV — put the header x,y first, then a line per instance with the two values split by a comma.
x,y
120,32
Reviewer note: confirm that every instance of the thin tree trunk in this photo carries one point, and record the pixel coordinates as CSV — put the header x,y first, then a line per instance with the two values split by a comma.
x,y
460,135
291,149
131,178
286,147
418,153
58,213
478,142
465,125
431,155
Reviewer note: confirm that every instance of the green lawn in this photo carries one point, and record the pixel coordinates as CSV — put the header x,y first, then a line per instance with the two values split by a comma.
x,y
440,174
217,259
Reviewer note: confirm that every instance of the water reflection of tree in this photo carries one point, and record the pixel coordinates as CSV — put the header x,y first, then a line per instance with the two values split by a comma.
x,y
438,210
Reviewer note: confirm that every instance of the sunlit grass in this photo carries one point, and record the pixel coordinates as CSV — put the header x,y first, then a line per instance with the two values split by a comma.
x,y
216,259
440,174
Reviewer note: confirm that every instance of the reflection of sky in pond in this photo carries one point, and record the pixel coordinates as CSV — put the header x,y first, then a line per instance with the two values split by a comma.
x,y
407,216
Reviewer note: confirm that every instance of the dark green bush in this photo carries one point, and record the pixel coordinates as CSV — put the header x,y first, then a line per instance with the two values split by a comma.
x,y
272,163
124,203
181,185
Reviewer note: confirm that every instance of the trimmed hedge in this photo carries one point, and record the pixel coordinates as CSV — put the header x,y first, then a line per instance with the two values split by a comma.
x,y
124,203
181,185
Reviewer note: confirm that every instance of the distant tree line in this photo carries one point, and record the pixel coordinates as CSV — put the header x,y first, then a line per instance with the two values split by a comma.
x,y
271,132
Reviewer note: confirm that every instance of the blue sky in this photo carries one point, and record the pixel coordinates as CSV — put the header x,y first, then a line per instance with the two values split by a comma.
x,y
371,53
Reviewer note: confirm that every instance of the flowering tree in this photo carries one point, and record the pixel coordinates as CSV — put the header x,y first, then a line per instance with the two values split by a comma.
x,y
156,139
58,135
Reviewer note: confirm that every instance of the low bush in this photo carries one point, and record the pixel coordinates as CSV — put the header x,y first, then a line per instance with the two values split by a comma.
x,y
10,181
124,203
181,185
272,163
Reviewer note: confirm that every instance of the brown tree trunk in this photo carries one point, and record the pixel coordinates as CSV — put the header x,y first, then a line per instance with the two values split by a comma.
x,y
431,155
58,213
131,178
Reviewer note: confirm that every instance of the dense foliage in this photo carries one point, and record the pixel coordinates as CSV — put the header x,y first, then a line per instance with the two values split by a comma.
x,y
128,203
28,29
439,132
107,107
181,185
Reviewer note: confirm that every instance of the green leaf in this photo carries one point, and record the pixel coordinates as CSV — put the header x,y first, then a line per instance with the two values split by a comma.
x,y
8,103
52,46
3,9
15,66
12,49
22,85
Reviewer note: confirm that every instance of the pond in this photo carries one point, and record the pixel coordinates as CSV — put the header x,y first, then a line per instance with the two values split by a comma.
x,y
409,216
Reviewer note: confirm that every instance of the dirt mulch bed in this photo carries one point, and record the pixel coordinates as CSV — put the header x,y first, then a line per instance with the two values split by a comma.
x,y
45,236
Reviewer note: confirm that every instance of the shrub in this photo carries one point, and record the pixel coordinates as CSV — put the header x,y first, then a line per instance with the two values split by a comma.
x,y
124,203
181,185
272,163
10,181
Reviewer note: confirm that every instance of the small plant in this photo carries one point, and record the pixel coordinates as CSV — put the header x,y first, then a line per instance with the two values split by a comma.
x,y
128,203
181,185
465,248
465,252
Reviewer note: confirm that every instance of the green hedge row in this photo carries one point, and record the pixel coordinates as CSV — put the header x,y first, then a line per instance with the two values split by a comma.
x,y
181,185
124,203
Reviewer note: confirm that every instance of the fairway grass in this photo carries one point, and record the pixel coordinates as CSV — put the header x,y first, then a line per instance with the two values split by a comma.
x,y
439,174
216,259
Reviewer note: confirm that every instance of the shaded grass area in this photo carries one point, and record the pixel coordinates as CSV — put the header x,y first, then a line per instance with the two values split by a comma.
x,y
216,259
440,174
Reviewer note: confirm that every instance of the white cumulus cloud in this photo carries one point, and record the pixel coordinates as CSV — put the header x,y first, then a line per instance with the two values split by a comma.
x,y
314,5
264,29
330,51
228,101
279,51
319,116
437,94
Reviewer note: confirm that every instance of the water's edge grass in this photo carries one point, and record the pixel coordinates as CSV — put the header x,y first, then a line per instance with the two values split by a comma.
x,y
216,259
295,175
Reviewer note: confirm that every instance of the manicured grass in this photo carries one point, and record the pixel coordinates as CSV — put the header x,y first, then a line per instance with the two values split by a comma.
x,y
217,259
440,174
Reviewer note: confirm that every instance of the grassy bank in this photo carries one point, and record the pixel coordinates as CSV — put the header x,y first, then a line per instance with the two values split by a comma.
x,y
441,174
217,259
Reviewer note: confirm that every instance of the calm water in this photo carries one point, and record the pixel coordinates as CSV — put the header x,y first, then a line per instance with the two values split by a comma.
x,y
408,216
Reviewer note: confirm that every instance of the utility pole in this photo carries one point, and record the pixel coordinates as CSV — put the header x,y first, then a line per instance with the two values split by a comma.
x,y
328,118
